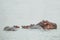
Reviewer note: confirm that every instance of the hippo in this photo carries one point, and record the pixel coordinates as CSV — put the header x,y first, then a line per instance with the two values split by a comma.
x,y
32,26
45,24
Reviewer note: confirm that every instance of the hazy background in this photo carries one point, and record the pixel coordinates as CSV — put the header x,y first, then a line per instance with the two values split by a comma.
x,y
24,12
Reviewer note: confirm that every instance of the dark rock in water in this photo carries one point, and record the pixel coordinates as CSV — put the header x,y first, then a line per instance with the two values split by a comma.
x,y
14,28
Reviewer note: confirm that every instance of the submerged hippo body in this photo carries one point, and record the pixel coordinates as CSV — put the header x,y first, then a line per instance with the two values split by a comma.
x,y
28,26
36,27
32,27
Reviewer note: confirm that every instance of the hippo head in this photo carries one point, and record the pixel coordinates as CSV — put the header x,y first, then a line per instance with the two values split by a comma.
x,y
47,25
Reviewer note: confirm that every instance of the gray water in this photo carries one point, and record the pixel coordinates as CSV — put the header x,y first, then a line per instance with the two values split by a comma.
x,y
30,34
25,12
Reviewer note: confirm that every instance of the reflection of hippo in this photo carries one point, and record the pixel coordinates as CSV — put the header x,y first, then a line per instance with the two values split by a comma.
x,y
47,25
14,28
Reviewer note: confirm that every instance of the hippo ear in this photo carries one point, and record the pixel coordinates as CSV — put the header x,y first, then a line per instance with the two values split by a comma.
x,y
43,21
46,20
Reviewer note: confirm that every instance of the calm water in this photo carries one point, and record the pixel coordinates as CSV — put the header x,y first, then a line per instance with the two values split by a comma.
x,y
30,34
